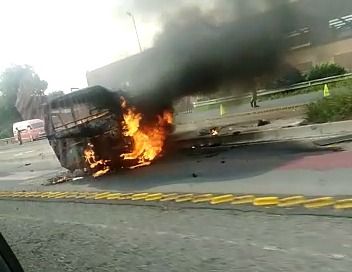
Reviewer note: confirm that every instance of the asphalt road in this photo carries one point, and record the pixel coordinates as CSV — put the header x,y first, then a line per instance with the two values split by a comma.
x,y
20,163
67,237
280,168
239,107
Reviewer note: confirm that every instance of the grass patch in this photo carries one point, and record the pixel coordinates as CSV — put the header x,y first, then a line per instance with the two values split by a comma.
x,y
337,107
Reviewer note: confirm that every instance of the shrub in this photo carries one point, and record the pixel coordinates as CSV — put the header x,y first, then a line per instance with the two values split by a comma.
x,y
292,77
337,107
289,76
325,70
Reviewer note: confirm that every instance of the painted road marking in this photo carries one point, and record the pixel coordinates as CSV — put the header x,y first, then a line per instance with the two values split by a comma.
x,y
154,197
243,199
169,197
221,199
113,196
126,196
291,201
184,198
343,204
72,194
319,202
139,196
25,152
193,199
202,198
102,195
266,201
321,162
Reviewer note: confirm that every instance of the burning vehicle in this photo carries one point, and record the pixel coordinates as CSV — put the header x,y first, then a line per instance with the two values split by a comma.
x,y
100,130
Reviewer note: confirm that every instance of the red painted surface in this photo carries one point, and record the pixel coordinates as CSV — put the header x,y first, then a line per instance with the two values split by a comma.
x,y
321,161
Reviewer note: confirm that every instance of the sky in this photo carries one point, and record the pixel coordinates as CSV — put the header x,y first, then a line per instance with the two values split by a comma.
x,y
62,39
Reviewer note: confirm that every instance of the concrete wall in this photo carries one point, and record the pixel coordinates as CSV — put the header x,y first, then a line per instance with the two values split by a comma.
x,y
339,52
112,76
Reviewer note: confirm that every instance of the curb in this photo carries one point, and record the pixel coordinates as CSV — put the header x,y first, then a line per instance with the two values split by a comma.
x,y
266,110
341,128
336,203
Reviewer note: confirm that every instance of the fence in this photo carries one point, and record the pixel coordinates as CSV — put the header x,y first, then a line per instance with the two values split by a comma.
x,y
7,141
291,88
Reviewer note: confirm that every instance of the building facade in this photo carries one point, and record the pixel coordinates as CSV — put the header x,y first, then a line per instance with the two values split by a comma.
x,y
322,33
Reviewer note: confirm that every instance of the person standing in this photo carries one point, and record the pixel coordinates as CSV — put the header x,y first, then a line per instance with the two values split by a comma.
x,y
254,94
29,128
19,136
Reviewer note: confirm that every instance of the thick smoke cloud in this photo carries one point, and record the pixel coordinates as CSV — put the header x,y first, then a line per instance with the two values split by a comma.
x,y
198,52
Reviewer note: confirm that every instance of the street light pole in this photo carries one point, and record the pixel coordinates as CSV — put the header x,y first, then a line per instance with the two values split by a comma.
x,y
135,28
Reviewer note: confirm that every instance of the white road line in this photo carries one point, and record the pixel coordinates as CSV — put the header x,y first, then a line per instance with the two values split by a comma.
x,y
21,153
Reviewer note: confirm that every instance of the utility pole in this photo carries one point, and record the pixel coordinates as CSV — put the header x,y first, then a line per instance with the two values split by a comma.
x,y
135,28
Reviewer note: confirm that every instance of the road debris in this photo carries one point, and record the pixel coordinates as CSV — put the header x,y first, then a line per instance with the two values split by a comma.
x,y
77,178
262,122
298,123
61,177
212,131
57,180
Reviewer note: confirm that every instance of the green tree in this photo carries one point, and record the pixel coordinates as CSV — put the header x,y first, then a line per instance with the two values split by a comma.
x,y
20,76
12,80
55,94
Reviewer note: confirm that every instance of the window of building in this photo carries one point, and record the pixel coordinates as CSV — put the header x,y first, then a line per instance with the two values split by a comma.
x,y
341,27
299,38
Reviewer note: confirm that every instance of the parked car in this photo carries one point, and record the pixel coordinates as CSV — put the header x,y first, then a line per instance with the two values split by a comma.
x,y
31,130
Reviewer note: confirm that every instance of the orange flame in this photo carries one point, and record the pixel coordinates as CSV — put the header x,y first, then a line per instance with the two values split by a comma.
x,y
148,141
89,155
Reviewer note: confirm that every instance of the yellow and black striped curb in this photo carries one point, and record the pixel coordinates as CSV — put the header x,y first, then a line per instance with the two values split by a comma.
x,y
211,199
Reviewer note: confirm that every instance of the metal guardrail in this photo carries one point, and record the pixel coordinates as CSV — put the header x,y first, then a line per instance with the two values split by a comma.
x,y
291,88
6,141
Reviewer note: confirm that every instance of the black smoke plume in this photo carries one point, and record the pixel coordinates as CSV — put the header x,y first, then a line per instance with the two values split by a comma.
x,y
198,53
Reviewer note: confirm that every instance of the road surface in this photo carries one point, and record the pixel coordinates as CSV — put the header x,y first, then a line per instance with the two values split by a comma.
x,y
276,168
65,237
239,107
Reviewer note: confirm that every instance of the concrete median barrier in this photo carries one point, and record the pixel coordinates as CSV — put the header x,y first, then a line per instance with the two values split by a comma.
x,y
294,133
